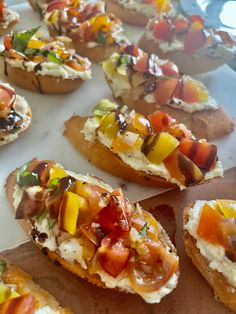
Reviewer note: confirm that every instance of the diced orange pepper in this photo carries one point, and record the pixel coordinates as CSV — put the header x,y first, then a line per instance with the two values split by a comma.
x,y
126,142
36,44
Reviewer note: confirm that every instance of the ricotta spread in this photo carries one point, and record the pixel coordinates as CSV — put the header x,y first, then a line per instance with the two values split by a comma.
x,y
139,6
215,254
46,310
137,160
50,68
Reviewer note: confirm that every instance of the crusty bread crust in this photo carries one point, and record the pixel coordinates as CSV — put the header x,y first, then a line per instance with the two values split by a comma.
x,y
44,84
105,159
74,268
5,134
222,289
188,64
208,124
25,283
96,54
127,16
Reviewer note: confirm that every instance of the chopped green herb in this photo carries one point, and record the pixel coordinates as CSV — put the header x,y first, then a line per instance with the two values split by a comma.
x,y
143,232
21,39
104,107
28,179
21,171
52,57
125,59
41,215
53,183
3,266
102,39
51,222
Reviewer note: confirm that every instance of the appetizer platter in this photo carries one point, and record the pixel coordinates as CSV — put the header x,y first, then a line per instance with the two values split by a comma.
x,y
126,124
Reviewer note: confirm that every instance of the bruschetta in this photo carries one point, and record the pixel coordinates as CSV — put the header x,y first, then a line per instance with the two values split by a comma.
x,y
93,230
137,12
8,18
151,150
15,114
146,83
44,65
94,33
189,43
19,293
209,237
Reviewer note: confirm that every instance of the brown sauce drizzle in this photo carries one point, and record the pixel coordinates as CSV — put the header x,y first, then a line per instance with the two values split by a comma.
x,y
11,122
187,169
149,143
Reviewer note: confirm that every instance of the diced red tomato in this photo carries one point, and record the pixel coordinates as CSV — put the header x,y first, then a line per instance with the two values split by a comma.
x,y
181,25
170,69
113,255
160,121
152,268
142,64
2,6
203,154
193,41
163,30
93,232
116,216
165,89
23,304
8,42
132,50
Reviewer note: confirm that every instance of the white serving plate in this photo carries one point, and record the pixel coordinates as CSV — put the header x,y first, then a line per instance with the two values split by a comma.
x,y
45,140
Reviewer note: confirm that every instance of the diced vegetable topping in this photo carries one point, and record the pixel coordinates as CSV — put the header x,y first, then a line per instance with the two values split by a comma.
x,y
22,304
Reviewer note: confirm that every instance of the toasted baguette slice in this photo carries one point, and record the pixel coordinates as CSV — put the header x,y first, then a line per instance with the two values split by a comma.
x,y
94,278
102,157
13,275
19,108
208,124
223,290
43,84
126,15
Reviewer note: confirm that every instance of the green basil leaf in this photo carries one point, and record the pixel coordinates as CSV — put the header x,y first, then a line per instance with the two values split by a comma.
x,y
143,231
52,57
28,179
20,172
125,59
3,266
53,183
104,107
20,40
51,222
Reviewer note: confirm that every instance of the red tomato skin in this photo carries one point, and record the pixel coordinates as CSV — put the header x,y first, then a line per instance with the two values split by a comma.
x,y
160,121
23,304
163,30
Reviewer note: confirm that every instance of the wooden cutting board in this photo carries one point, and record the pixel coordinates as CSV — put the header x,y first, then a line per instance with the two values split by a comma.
x,y
193,295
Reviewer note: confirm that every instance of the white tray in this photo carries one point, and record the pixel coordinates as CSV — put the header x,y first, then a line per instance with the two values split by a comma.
x,y
45,140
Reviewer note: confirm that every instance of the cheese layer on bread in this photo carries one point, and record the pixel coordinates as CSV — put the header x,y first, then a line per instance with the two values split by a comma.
x,y
131,144
215,234
45,56
89,225
183,92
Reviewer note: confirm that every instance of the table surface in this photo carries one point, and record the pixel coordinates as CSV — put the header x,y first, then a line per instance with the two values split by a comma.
x,y
45,140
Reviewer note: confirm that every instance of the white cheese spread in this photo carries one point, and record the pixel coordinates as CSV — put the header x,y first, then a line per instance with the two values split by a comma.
x,y
46,310
139,6
9,17
215,254
50,68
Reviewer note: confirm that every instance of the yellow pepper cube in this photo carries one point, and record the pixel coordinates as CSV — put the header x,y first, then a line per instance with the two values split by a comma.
x,y
36,44
57,172
69,211
4,293
227,208
127,142
160,146
109,125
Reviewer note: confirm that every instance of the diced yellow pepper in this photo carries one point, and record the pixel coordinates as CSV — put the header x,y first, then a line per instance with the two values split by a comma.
x,y
126,142
160,146
69,211
14,294
100,23
163,6
4,293
109,125
140,124
227,208
36,44
54,17
57,172
38,59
